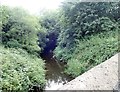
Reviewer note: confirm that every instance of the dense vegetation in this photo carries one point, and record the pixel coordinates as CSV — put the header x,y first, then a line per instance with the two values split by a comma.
x,y
20,70
21,67
89,35
19,29
95,50
51,30
81,34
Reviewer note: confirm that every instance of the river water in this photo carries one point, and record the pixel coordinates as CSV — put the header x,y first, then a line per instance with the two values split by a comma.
x,y
54,75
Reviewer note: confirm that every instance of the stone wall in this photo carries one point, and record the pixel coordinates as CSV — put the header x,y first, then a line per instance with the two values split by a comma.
x,y
102,77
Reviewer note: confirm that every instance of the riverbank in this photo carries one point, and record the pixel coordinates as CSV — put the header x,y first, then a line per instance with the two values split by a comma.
x,y
92,51
102,77
19,70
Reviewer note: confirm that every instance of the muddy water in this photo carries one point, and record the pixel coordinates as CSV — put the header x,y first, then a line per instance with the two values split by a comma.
x,y
54,75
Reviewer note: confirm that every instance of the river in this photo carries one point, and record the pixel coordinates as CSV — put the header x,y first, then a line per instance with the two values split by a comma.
x,y
55,75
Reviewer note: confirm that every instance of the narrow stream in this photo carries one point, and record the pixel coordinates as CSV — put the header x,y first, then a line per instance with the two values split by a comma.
x,y
54,75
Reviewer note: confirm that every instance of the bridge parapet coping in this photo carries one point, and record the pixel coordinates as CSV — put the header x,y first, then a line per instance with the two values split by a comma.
x,y
102,77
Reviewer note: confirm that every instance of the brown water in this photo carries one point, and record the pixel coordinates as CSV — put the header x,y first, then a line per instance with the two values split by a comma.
x,y
54,75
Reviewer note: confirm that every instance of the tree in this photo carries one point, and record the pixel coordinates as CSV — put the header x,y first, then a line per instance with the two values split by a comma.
x,y
19,29
83,19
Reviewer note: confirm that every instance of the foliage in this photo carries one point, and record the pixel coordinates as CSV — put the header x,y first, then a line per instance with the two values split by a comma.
x,y
20,70
91,51
19,29
49,21
86,35
70,39
83,24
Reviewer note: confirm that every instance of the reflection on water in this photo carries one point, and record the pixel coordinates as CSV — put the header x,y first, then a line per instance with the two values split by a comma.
x,y
54,75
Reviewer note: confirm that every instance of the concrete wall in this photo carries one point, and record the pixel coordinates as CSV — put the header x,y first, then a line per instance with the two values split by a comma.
x,y
102,77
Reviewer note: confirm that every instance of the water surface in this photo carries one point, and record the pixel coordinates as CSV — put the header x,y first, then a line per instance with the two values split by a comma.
x,y
54,75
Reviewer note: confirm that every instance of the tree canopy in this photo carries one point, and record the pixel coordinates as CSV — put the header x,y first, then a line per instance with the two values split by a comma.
x,y
19,29
81,34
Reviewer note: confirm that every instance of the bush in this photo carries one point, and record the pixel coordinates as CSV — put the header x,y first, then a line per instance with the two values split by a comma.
x,y
13,43
92,51
19,29
19,70
88,36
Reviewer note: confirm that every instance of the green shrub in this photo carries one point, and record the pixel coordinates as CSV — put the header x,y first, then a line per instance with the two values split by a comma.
x,y
20,70
19,29
13,43
89,34
92,51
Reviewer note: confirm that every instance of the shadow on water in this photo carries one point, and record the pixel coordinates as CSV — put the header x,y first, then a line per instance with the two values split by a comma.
x,y
54,69
54,75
